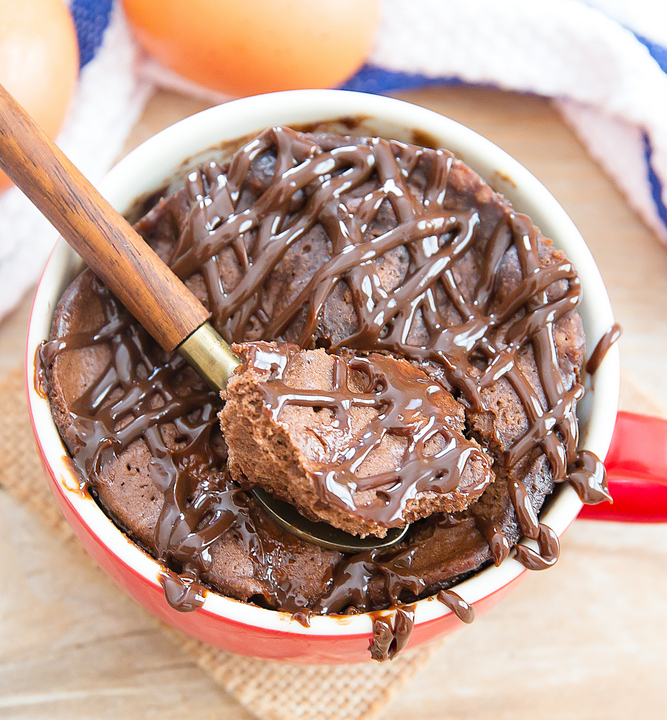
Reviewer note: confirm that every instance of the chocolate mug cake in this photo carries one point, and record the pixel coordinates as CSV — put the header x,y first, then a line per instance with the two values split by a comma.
x,y
339,259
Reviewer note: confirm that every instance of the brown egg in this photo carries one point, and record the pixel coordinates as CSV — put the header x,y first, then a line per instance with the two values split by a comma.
x,y
256,46
39,60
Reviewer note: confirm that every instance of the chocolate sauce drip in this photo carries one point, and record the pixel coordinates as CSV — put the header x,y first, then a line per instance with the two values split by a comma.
x,y
464,611
547,553
499,545
408,405
245,224
391,631
39,381
602,348
588,476
303,617
182,591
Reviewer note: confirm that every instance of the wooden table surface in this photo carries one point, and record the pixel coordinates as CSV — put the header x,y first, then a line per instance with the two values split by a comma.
x,y
587,639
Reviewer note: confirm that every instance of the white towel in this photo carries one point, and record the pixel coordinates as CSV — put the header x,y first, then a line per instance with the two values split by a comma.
x,y
603,61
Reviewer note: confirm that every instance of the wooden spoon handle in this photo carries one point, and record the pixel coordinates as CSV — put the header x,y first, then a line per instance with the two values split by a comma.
x,y
103,238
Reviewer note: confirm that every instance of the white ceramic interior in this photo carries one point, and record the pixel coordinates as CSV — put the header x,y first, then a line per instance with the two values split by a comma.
x,y
146,168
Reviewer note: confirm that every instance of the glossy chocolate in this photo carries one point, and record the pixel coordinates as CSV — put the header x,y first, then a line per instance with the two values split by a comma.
x,y
391,631
602,348
463,610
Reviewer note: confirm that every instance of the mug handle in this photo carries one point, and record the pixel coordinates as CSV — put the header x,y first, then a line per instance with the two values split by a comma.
x,y
636,471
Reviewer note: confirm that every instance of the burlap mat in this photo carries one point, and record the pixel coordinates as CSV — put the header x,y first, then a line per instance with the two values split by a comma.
x,y
269,690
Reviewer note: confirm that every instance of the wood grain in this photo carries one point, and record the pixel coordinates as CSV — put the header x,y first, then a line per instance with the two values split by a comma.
x,y
583,641
116,253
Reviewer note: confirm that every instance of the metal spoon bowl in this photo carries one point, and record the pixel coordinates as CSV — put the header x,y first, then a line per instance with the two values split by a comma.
x,y
319,533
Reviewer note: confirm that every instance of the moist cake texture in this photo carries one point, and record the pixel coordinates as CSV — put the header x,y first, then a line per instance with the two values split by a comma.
x,y
363,444
341,246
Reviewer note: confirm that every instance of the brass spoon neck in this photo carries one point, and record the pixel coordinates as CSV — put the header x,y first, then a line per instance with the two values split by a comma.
x,y
210,355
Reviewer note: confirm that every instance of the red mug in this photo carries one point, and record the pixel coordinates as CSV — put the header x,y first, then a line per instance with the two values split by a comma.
x,y
636,470
637,459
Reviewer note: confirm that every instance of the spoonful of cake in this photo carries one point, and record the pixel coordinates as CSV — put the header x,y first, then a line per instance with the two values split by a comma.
x,y
363,444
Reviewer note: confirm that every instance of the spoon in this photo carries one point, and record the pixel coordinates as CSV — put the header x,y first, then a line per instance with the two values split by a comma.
x,y
140,280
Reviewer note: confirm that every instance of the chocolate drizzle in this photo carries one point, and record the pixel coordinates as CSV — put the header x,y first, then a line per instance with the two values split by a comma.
x,y
388,245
